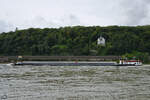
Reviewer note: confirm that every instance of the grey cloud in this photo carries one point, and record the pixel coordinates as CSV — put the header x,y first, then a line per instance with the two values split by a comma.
x,y
59,13
70,20
73,19
135,11
5,27
39,22
42,22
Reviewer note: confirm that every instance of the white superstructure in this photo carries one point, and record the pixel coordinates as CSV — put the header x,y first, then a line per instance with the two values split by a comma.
x,y
130,62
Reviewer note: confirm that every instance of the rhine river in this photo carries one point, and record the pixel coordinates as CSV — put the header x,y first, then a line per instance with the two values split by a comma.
x,y
74,82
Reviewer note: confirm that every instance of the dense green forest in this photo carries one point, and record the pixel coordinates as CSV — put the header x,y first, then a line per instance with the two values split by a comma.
x,y
77,40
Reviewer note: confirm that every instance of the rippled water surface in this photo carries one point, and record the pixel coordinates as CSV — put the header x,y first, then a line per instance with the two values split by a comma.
x,y
74,82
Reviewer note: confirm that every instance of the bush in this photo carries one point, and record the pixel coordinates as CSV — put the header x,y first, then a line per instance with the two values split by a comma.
x,y
144,57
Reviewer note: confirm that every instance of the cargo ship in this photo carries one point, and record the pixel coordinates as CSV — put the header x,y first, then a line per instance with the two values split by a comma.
x,y
122,62
65,63
81,63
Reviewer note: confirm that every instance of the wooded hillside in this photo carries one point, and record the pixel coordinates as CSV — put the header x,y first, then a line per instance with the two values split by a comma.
x,y
76,41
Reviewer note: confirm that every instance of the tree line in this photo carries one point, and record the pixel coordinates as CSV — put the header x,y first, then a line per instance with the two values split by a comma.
x,y
76,41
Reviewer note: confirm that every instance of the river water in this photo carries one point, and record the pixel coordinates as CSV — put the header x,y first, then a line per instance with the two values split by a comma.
x,y
74,82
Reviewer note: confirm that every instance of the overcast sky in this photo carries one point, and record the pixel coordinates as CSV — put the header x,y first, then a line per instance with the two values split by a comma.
x,y
59,13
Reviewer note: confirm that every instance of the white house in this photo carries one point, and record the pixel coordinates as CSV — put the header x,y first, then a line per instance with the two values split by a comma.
x,y
101,41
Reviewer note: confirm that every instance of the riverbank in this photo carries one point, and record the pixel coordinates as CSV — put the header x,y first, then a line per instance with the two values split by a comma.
x,y
11,59
4,59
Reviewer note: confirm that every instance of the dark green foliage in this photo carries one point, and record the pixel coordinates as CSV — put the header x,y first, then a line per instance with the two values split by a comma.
x,y
144,57
76,40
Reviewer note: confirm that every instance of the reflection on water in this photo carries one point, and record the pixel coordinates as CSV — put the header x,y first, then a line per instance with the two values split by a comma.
x,y
74,83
